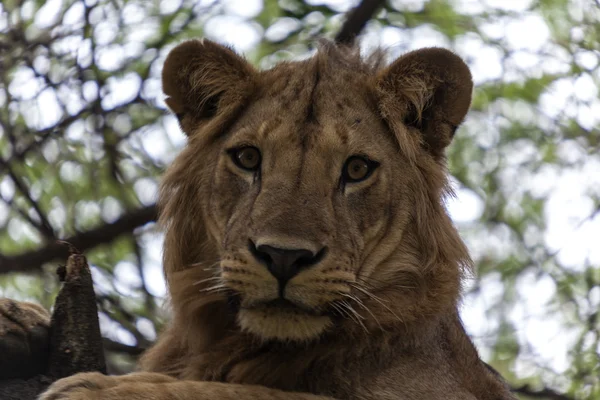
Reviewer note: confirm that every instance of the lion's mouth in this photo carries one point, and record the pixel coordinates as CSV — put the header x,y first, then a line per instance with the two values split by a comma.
x,y
284,306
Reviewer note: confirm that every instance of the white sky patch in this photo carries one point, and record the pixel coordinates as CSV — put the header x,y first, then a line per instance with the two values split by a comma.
x,y
155,143
170,6
110,58
548,337
585,88
427,36
113,330
242,35
7,187
281,28
143,31
146,190
24,85
120,90
474,311
152,258
146,328
586,59
471,7
393,40
570,232
530,33
337,5
127,278
111,209
466,206
409,5
243,8
74,15
507,5
484,61
174,132
133,13
525,59
48,14
50,112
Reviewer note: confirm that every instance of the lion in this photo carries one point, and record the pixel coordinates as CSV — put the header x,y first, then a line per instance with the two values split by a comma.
x,y
308,252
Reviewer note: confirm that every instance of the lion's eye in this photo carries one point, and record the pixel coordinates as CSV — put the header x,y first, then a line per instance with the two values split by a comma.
x,y
358,168
247,158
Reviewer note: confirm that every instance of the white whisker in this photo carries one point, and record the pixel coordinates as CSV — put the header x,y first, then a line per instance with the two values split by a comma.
x,y
360,303
377,299
213,278
371,295
357,315
216,288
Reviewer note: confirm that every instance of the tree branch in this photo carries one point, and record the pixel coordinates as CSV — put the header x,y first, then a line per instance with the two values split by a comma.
x,y
117,347
32,260
357,19
44,226
544,393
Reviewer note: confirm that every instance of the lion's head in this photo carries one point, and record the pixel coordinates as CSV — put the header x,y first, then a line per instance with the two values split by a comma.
x,y
310,196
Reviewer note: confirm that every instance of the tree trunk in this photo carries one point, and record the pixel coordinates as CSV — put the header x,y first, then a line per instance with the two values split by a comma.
x,y
75,343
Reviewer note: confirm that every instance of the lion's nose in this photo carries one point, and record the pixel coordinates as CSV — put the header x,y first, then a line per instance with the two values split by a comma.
x,y
284,264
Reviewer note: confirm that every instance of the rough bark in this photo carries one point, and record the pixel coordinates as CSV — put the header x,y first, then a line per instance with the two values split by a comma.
x,y
75,343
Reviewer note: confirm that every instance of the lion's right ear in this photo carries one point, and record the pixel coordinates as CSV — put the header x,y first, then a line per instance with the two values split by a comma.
x,y
429,90
203,80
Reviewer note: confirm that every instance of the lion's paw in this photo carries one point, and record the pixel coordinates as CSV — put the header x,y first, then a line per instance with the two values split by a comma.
x,y
87,386
23,338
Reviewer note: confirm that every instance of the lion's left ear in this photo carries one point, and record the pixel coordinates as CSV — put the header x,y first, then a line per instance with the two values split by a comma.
x,y
428,89
203,81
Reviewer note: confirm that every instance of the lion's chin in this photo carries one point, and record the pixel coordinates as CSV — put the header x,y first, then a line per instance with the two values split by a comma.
x,y
282,324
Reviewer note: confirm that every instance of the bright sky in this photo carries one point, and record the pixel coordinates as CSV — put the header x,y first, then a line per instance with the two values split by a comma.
x,y
568,233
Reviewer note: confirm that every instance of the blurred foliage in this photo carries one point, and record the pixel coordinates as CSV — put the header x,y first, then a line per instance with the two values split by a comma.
x,y
84,138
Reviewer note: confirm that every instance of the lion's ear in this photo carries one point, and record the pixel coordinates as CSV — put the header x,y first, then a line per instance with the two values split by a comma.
x,y
428,89
203,79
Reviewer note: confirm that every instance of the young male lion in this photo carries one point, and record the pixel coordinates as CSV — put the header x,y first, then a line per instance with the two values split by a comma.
x,y
308,252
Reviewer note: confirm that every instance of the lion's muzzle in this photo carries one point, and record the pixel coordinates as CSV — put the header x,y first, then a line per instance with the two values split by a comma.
x,y
284,263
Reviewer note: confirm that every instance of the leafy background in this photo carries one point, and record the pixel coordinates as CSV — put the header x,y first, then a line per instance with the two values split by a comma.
x,y
84,137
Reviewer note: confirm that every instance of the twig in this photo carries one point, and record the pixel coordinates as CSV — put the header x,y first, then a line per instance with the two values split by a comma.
x,y
113,346
357,19
44,226
32,260
544,393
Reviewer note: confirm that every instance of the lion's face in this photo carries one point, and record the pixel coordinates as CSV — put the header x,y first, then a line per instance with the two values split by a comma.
x,y
297,206
304,191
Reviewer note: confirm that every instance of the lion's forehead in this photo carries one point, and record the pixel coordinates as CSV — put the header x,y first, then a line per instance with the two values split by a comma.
x,y
313,91
268,125
312,108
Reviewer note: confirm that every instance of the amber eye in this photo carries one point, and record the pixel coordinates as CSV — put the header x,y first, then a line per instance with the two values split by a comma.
x,y
247,158
358,168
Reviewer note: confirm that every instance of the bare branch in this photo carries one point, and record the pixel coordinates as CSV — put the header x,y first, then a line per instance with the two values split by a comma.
x,y
544,393
44,226
357,19
117,347
32,260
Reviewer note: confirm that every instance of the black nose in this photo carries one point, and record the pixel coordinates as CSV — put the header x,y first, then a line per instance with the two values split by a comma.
x,y
284,264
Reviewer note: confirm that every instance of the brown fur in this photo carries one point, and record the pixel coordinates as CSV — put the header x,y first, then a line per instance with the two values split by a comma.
x,y
24,339
377,317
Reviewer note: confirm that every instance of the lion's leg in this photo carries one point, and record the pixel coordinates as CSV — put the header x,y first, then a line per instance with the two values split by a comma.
x,y
23,338
193,390
152,386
